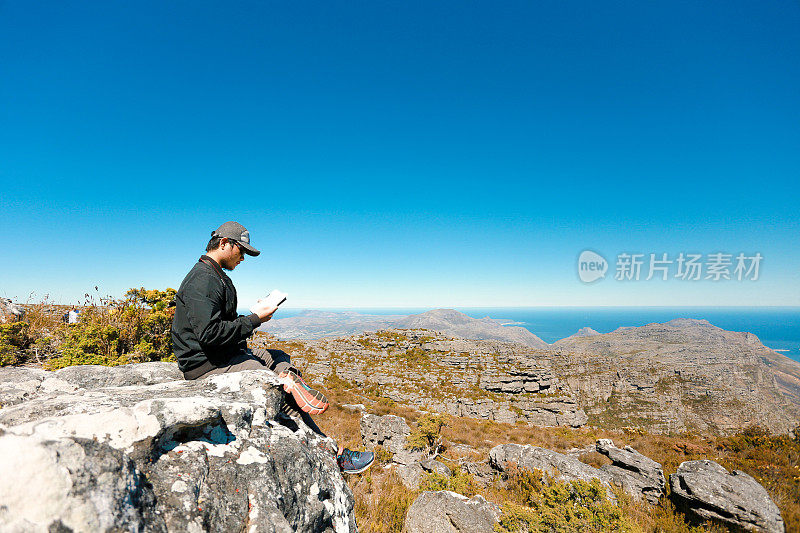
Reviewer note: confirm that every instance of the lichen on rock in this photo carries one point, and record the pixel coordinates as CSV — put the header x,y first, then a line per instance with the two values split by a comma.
x,y
135,449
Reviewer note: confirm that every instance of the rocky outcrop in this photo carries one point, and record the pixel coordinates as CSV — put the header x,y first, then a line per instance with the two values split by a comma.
x,y
561,467
735,499
638,475
484,379
448,512
683,375
391,432
132,449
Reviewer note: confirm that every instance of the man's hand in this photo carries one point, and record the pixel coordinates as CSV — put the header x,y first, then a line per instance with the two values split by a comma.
x,y
263,311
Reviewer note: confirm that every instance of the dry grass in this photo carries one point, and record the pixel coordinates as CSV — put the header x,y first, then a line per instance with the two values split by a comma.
x,y
773,461
381,501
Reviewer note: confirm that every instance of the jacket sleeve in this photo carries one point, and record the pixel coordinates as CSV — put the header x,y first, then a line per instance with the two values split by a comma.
x,y
204,301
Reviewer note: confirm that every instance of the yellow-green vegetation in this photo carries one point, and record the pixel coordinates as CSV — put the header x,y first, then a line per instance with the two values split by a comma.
x,y
539,503
459,482
132,329
14,338
426,434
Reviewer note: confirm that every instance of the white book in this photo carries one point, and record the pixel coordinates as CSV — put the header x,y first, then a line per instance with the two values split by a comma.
x,y
274,299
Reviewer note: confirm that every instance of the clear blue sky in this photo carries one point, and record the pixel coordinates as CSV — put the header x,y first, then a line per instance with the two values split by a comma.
x,y
425,154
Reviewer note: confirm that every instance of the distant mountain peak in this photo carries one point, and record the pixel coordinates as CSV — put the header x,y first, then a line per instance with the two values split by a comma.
x,y
455,323
586,332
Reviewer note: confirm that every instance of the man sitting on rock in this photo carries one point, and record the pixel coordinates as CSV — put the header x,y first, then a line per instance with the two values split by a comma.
x,y
209,337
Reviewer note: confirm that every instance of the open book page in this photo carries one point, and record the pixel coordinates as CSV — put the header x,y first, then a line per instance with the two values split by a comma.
x,y
274,299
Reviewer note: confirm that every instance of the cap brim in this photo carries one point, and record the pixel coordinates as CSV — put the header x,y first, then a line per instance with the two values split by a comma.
x,y
249,250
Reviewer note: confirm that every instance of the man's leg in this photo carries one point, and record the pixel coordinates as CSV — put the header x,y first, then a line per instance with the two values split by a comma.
x,y
314,402
244,361
309,400
276,360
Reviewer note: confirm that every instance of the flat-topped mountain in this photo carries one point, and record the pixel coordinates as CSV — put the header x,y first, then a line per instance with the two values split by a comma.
x,y
319,324
452,322
313,324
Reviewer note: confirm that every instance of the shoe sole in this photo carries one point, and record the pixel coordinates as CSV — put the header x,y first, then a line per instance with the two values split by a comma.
x,y
308,400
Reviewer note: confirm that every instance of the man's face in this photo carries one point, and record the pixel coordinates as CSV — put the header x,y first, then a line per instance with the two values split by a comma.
x,y
232,255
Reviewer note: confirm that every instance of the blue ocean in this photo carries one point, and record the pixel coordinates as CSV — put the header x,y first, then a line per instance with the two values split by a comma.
x,y
777,327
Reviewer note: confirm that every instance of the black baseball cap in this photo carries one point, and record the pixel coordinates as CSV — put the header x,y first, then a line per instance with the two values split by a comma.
x,y
237,232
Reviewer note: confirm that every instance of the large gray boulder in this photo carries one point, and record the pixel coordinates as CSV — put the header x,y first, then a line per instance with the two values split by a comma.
x,y
391,432
737,500
561,467
448,512
71,482
97,449
639,476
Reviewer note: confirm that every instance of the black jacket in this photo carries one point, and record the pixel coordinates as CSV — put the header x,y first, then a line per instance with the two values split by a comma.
x,y
206,330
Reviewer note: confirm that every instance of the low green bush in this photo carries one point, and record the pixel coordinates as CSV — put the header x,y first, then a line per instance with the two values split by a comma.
x,y
540,504
13,339
426,435
133,329
459,482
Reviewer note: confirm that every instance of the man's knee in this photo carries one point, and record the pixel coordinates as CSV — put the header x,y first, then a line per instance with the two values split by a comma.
x,y
277,360
248,364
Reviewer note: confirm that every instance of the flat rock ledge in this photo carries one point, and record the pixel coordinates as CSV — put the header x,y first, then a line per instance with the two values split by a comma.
x,y
137,448
735,499
448,512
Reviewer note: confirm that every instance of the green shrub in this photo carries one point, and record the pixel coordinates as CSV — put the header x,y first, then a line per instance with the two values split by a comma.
x,y
382,455
133,329
426,434
13,339
540,504
459,482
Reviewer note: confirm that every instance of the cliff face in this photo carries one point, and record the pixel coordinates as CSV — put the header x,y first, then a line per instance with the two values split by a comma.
x,y
685,375
682,375
136,448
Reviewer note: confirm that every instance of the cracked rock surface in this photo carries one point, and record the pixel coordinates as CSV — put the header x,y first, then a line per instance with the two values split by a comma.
x,y
561,467
448,512
638,475
136,448
735,499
